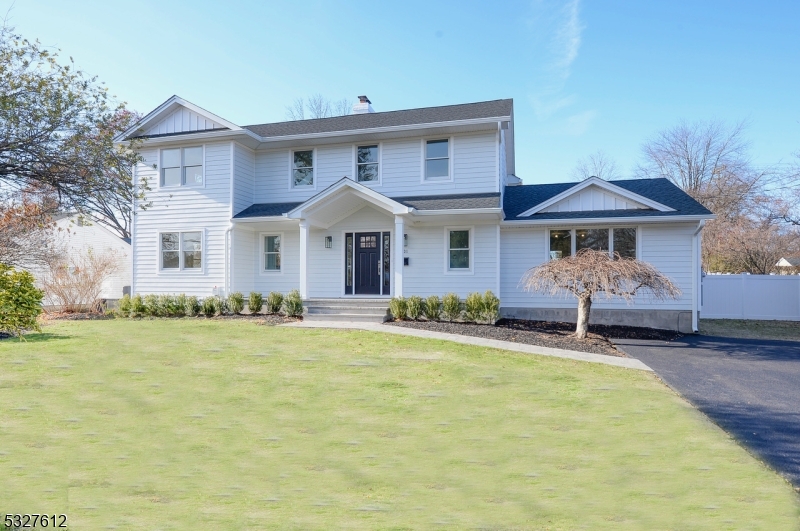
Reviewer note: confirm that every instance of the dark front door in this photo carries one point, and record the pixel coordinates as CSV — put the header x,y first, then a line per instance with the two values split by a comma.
x,y
368,263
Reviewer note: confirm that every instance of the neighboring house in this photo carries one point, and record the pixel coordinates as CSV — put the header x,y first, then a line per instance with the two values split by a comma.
x,y
788,265
78,238
375,204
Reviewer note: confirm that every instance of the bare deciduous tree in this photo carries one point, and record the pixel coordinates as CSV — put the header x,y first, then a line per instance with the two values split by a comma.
x,y
589,273
74,283
317,106
748,245
25,230
598,164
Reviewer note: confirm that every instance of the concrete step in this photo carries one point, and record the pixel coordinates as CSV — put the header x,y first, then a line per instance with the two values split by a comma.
x,y
351,317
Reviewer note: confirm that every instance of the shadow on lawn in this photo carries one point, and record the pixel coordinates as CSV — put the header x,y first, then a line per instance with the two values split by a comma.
x,y
34,337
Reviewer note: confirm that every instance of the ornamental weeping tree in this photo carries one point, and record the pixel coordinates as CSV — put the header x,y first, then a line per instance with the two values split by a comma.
x,y
589,273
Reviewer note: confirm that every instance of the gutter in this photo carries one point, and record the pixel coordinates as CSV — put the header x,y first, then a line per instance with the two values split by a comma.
x,y
630,219
228,265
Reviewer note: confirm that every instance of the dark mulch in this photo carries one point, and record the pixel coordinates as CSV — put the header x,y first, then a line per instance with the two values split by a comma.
x,y
545,333
3,335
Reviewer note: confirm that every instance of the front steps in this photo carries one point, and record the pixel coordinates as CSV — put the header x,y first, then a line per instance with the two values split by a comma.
x,y
357,310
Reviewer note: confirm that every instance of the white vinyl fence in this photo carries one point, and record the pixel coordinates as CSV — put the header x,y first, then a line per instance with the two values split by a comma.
x,y
763,297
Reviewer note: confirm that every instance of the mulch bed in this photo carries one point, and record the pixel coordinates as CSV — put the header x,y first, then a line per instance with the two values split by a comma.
x,y
546,333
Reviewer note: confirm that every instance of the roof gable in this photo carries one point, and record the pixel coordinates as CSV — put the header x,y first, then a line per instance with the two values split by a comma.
x,y
595,194
175,116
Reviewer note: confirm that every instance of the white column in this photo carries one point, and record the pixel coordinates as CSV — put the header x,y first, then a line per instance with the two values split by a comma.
x,y
304,231
399,231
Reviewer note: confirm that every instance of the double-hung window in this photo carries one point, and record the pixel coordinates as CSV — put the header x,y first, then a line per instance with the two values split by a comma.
x,y
437,160
181,251
565,242
458,250
272,253
303,168
182,166
367,164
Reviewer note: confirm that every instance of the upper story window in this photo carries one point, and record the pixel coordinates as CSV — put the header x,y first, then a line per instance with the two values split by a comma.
x,y
564,243
303,168
181,250
367,164
182,166
437,160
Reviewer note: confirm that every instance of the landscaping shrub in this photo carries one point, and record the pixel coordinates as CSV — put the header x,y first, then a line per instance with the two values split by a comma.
x,y
473,307
491,307
256,302
179,305
399,308
236,303
293,304
433,308
211,306
74,282
125,305
20,301
415,306
451,306
192,306
137,306
151,305
274,302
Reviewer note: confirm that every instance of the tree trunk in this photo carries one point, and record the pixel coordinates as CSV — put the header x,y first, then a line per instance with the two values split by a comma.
x,y
584,306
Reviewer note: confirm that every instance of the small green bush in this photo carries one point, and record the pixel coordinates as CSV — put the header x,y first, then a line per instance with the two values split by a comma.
x,y
211,306
415,306
124,305
192,306
399,308
20,301
151,305
255,302
137,306
293,304
274,302
473,307
433,308
236,303
179,305
451,306
491,307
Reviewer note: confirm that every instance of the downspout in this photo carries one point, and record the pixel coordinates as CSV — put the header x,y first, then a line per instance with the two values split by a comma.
x,y
228,265
697,276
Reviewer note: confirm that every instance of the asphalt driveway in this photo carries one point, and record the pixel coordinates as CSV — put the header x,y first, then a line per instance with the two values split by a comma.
x,y
750,387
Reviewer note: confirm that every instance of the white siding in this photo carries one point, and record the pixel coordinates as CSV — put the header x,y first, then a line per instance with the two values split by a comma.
x,y
474,167
244,258
668,248
427,252
243,178
182,120
184,209
289,276
593,198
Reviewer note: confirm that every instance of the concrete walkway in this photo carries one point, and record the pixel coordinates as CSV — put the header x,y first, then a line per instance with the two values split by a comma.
x,y
628,363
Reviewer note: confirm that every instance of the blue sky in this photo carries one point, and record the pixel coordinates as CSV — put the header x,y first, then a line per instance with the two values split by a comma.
x,y
585,75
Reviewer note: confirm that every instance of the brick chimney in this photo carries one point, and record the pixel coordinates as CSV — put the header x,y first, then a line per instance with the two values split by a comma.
x,y
363,106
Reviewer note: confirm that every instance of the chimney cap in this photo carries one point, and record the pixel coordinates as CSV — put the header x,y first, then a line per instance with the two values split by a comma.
x,y
364,99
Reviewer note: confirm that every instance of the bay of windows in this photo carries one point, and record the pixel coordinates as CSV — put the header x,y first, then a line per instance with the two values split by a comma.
x,y
182,166
565,242
181,250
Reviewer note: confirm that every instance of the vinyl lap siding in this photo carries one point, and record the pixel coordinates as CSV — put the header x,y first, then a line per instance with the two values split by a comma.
x,y
289,276
244,257
243,178
184,209
272,173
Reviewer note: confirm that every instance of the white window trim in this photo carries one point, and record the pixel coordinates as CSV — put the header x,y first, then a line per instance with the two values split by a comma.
x,y
467,271
610,229
377,183
180,186
315,163
181,270
263,253
450,150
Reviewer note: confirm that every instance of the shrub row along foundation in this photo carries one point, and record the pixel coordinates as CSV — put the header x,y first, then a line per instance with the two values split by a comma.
x,y
190,306
476,308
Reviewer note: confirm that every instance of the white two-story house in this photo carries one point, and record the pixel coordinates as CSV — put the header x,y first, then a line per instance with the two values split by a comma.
x,y
380,204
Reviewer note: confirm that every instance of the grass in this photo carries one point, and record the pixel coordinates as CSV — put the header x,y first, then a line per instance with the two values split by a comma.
x,y
183,424
751,329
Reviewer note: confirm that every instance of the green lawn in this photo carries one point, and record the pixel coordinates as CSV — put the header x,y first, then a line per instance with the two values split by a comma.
x,y
193,424
751,329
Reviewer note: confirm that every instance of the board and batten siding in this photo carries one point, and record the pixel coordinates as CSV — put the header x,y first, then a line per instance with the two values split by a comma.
x,y
428,253
182,120
244,166
474,167
205,209
668,248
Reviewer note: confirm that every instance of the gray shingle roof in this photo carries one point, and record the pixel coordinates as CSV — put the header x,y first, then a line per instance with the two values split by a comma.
x,y
266,209
426,115
518,199
451,202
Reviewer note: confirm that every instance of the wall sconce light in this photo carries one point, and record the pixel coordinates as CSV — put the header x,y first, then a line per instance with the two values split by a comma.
x,y
328,242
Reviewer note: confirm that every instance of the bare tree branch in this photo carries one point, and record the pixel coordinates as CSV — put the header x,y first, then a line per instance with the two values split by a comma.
x,y
598,164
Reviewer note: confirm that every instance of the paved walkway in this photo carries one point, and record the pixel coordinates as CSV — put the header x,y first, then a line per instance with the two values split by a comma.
x,y
750,387
628,363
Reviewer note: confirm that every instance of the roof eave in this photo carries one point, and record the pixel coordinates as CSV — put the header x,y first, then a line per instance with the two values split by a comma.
x,y
615,220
